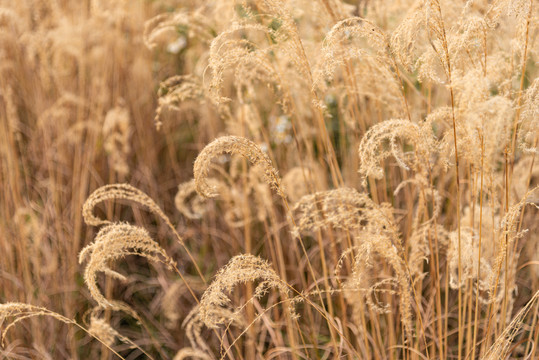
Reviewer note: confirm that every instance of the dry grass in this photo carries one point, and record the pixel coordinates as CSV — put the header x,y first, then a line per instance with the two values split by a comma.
x,y
404,225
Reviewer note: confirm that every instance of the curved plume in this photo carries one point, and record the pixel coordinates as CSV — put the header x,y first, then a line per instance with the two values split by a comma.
x,y
238,146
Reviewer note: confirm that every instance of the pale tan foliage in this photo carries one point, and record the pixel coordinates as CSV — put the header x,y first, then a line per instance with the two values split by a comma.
x,y
261,193
526,170
9,19
14,312
531,246
404,37
380,82
381,142
335,53
437,35
469,258
472,88
171,299
529,119
113,242
360,27
469,42
347,209
60,119
40,250
246,56
420,247
359,44
245,115
116,134
126,192
255,195
490,118
189,202
244,197
370,244
500,349
247,50
312,82
287,36
343,208
176,90
373,292
101,329
508,234
191,353
296,181
458,42
240,269
238,146
112,192
429,202
280,130
164,27
489,223
194,324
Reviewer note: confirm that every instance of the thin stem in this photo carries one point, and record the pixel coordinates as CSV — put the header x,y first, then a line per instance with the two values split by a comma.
x,y
479,247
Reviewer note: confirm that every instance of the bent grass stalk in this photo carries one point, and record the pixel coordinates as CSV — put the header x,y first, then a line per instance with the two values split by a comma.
x,y
383,98
251,151
20,311
128,192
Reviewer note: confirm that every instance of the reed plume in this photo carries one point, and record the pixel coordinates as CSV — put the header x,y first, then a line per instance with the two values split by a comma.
x,y
240,269
381,142
11,313
237,146
114,242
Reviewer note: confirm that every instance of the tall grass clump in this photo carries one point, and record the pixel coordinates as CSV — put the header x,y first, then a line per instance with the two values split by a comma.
x,y
261,179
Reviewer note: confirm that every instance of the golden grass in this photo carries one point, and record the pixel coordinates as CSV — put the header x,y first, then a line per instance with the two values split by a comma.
x,y
404,225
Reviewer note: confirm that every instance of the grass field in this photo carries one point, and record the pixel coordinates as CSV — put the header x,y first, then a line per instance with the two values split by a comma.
x,y
269,179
